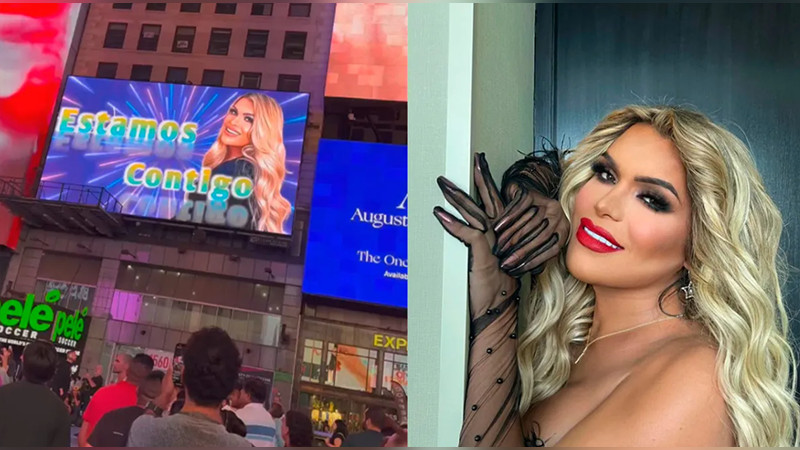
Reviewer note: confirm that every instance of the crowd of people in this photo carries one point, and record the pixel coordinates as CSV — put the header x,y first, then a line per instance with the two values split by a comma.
x,y
206,405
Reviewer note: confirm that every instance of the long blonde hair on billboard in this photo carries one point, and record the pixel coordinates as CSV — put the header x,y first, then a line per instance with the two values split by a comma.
x,y
268,155
736,270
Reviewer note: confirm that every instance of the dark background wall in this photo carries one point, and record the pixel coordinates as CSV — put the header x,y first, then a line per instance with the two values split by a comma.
x,y
737,63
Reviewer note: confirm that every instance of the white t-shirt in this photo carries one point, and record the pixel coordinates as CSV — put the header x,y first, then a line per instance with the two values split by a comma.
x,y
261,431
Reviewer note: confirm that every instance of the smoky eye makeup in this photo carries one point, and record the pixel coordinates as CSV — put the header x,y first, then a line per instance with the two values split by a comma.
x,y
651,198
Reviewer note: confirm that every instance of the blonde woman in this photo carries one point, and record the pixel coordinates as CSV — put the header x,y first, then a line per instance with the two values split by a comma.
x,y
250,144
660,323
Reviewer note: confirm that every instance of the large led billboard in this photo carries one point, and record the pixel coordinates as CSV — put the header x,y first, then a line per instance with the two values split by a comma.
x,y
358,234
369,52
206,155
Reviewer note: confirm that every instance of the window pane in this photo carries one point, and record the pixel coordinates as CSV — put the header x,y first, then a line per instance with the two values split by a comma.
x,y
213,77
184,40
163,309
219,42
209,316
299,9
395,368
185,285
169,286
312,361
270,335
226,8
194,317
347,369
115,35
262,9
148,39
190,7
122,5
141,278
224,319
156,7
149,306
177,74
238,329
289,83
294,45
177,316
156,281
256,45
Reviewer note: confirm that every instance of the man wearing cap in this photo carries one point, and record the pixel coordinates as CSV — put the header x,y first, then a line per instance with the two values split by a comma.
x,y
113,428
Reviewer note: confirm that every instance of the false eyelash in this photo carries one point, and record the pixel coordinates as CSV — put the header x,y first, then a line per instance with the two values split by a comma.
x,y
659,203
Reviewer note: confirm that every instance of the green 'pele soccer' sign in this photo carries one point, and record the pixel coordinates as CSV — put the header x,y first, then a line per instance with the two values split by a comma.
x,y
23,322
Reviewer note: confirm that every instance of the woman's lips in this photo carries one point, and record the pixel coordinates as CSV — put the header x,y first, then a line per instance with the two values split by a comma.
x,y
596,239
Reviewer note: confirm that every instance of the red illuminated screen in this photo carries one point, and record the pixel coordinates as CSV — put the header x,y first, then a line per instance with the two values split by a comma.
x,y
369,52
34,41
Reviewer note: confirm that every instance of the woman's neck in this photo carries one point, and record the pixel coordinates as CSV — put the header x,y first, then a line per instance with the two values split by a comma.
x,y
617,309
211,412
233,153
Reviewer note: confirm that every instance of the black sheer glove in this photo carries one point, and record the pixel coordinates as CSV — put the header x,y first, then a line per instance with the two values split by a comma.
x,y
533,227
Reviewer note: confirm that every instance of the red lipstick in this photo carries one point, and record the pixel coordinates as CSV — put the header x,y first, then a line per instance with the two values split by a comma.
x,y
596,239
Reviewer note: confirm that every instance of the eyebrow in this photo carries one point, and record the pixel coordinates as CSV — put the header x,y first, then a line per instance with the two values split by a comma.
x,y
649,180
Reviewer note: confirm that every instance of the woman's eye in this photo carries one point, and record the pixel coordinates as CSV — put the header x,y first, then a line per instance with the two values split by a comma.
x,y
232,112
248,119
603,173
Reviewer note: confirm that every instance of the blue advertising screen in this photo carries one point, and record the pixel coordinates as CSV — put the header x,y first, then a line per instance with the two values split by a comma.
x,y
358,235
206,155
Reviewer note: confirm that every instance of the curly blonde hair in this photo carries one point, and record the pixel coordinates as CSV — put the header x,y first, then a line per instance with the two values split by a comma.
x,y
736,267
268,155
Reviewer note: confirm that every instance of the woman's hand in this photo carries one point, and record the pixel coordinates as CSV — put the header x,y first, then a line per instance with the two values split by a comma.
x,y
532,229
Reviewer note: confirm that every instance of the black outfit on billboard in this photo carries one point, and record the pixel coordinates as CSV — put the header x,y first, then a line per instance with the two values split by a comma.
x,y
235,168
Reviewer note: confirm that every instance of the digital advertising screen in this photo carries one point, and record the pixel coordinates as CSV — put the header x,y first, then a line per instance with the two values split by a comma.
x,y
214,156
358,233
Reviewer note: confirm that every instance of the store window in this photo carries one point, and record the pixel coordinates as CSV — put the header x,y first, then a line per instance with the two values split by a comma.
x,y
74,297
395,368
311,369
351,367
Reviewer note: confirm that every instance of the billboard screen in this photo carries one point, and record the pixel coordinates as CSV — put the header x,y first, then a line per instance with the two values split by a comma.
x,y
358,233
369,52
206,155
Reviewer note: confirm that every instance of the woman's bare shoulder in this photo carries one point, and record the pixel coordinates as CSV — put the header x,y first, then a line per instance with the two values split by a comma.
x,y
671,398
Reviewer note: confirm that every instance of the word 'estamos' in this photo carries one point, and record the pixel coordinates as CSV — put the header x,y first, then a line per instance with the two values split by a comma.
x,y
72,121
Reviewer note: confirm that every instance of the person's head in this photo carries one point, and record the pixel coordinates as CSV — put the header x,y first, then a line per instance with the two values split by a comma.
x,y
72,357
254,124
139,368
40,361
276,410
121,363
235,397
375,419
254,391
98,370
211,367
297,430
340,427
150,388
658,197
233,424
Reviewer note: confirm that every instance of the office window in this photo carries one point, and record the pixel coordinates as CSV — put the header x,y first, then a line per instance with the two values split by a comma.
x,y
184,40
213,77
190,7
256,45
294,45
148,40
299,9
250,80
351,367
177,75
156,7
261,9
395,368
107,70
122,5
289,83
115,35
141,72
220,41
225,8
311,370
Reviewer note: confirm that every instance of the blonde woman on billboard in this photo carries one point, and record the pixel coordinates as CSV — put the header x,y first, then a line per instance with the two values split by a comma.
x,y
250,144
661,323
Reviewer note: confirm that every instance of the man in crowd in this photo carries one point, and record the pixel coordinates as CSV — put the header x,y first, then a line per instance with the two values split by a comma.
x,y
63,376
250,408
374,421
113,429
120,366
235,396
31,414
120,395
211,367
90,386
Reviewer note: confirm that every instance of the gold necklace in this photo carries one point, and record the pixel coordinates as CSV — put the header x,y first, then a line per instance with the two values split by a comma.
x,y
589,344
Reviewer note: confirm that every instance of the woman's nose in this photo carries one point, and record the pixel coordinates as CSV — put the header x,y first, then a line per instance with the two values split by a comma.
x,y
611,204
